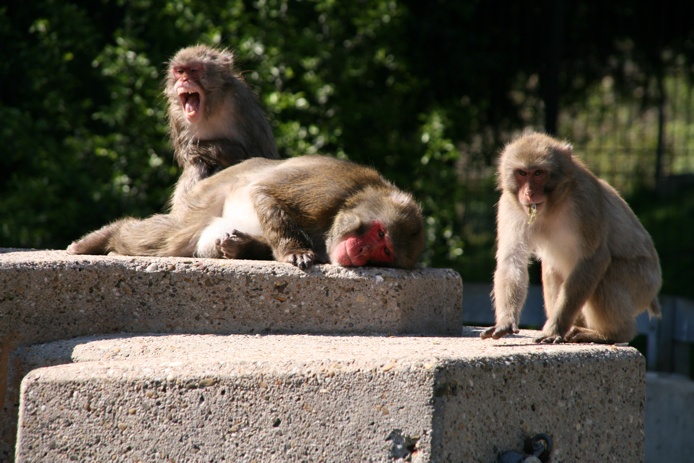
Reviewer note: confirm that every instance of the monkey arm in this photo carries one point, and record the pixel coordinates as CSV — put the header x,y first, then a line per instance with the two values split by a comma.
x,y
289,242
509,294
511,276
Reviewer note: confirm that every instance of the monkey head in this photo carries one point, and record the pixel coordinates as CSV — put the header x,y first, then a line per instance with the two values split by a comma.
x,y
381,228
533,168
194,75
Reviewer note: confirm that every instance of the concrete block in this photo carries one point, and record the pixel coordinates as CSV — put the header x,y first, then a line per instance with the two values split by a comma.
x,y
669,418
289,398
51,295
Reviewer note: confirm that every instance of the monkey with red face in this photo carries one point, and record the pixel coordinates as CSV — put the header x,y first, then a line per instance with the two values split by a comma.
x,y
304,210
599,266
215,120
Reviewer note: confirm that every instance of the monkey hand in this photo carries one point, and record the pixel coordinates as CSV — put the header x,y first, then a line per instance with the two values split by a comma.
x,y
303,259
552,333
500,330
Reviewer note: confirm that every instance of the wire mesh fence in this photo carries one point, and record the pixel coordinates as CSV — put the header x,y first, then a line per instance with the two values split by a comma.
x,y
638,136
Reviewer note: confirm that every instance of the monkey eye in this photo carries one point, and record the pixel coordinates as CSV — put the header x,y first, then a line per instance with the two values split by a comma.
x,y
381,233
521,172
539,173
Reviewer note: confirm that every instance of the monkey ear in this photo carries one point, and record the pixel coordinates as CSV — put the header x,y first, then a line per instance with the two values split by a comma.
x,y
400,197
226,56
566,149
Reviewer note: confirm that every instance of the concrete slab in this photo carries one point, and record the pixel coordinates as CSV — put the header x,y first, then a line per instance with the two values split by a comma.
x,y
329,398
669,418
51,295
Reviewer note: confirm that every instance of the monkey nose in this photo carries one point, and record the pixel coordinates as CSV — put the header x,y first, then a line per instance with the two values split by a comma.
x,y
366,249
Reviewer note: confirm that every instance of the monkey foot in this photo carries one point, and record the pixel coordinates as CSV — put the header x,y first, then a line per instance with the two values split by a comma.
x,y
233,244
554,339
580,334
576,335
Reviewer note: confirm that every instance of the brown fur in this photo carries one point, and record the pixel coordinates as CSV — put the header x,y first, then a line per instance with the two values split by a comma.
x,y
305,207
599,266
233,127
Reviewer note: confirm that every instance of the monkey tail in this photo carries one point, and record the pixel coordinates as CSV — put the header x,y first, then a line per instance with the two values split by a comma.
x,y
161,235
148,237
98,241
654,308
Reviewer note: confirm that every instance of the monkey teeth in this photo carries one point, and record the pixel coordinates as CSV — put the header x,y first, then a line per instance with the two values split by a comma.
x,y
191,102
532,210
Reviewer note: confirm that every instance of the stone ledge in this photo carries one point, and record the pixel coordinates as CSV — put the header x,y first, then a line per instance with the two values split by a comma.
x,y
51,295
329,398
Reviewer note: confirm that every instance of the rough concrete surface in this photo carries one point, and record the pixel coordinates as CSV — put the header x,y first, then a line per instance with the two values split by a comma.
x,y
269,398
51,295
48,295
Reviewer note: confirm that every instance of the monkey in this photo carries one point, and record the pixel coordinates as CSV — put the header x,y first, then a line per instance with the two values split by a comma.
x,y
302,211
215,119
599,265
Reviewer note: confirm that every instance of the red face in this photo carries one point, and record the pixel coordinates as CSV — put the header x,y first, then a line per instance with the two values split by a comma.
x,y
372,247
190,93
531,186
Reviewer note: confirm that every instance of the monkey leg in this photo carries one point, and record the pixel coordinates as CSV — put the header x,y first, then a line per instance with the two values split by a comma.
x,y
609,316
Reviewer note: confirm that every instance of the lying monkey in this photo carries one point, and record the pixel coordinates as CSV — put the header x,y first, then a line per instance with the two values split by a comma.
x,y
305,210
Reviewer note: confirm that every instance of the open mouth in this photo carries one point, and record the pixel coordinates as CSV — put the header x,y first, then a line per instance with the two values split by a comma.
x,y
192,104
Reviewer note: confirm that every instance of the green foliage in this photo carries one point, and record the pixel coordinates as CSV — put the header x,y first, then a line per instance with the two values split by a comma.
x,y
424,92
334,78
665,216
436,181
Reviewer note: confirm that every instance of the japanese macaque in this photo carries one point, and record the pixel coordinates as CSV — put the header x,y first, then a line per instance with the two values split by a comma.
x,y
599,266
215,120
304,210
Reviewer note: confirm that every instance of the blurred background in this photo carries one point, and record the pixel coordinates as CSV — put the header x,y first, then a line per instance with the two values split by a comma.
x,y
427,92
